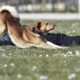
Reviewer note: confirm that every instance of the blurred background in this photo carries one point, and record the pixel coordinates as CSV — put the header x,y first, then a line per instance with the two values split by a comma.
x,y
45,9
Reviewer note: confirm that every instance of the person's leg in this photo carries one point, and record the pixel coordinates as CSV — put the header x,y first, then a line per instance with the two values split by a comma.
x,y
59,39
5,40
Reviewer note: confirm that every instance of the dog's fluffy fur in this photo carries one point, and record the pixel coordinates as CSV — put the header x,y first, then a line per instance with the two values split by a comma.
x,y
11,9
22,37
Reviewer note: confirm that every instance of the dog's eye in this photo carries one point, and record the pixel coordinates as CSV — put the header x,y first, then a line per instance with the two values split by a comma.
x,y
46,24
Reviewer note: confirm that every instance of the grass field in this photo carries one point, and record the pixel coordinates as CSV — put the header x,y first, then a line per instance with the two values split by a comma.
x,y
42,64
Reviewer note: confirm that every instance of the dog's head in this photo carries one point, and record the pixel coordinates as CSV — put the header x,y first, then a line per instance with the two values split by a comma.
x,y
43,27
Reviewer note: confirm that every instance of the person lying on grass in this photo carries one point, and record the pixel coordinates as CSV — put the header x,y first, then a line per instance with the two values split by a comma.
x,y
43,28
22,36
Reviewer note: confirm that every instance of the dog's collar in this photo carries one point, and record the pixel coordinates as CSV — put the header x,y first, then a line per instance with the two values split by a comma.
x,y
36,31
40,33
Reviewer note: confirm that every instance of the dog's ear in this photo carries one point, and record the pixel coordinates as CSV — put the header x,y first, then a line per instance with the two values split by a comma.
x,y
37,25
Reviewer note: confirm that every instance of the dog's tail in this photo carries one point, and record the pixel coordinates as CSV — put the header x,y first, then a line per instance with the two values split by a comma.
x,y
11,9
50,45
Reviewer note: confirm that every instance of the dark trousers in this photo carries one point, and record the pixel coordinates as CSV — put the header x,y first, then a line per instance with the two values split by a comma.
x,y
62,39
5,40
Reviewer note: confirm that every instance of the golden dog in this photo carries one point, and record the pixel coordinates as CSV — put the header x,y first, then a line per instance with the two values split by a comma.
x,y
22,37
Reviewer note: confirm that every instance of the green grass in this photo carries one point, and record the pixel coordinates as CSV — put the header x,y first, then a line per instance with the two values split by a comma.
x,y
42,64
